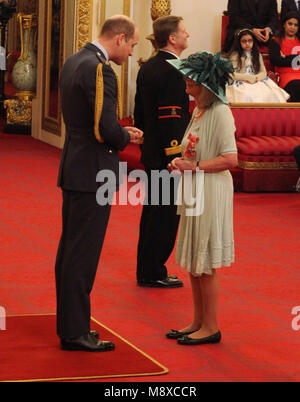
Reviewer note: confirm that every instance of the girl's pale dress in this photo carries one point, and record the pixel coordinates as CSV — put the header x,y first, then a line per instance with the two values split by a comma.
x,y
206,242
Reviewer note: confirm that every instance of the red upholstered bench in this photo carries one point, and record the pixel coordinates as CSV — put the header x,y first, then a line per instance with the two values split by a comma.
x,y
266,136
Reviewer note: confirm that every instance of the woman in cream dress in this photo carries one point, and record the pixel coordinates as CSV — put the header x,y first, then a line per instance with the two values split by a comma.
x,y
206,242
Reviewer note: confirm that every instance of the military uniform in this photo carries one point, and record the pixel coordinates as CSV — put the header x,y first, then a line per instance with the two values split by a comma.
x,y
90,95
162,112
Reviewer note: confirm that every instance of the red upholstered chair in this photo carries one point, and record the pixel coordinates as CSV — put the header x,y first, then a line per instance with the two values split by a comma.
x,y
266,137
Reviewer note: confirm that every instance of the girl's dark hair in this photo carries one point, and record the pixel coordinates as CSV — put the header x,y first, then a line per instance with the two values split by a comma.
x,y
280,34
237,48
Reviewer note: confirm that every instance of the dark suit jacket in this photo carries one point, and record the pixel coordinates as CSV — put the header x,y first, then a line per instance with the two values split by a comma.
x,y
244,14
83,155
275,55
161,109
287,6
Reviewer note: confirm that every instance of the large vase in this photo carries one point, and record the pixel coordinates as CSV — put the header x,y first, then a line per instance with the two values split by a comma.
x,y
25,71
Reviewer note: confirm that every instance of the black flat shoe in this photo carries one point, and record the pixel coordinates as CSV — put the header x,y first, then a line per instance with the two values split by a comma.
x,y
87,343
174,334
162,283
186,340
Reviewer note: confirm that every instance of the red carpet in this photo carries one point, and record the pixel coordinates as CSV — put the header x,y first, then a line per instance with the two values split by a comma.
x,y
40,358
257,295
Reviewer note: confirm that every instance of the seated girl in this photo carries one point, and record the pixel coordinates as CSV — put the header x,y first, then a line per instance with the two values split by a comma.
x,y
284,50
250,82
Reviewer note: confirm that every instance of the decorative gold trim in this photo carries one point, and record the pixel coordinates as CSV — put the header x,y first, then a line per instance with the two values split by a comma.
x,y
125,68
102,12
18,112
84,23
26,22
50,123
99,100
160,8
165,370
267,165
119,101
287,105
173,150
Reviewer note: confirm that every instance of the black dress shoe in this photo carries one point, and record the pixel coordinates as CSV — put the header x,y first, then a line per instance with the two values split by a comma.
x,y
87,343
186,340
162,283
174,334
172,276
95,333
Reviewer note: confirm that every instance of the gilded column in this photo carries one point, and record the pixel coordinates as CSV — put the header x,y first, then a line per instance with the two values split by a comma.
x,y
159,8
84,23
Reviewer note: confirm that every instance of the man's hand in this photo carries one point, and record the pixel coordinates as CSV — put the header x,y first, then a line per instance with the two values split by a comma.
x,y
260,34
136,135
267,34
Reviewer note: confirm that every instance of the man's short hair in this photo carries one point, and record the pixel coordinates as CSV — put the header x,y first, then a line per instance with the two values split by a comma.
x,y
163,27
117,25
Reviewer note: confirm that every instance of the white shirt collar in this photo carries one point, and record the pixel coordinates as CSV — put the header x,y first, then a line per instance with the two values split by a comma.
x,y
98,45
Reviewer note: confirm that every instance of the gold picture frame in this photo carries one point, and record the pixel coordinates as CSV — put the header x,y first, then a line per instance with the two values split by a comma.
x,y
53,47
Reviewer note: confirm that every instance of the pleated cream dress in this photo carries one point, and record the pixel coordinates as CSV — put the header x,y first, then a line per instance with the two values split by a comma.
x,y
206,242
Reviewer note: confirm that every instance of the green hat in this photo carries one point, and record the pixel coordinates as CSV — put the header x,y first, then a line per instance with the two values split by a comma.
x,y
210,70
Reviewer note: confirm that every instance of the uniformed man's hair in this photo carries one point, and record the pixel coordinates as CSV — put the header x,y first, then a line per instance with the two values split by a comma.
x,y
117,25
163,27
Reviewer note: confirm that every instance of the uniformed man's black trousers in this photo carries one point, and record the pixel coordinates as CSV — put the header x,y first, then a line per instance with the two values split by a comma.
x,y
84,224
158,231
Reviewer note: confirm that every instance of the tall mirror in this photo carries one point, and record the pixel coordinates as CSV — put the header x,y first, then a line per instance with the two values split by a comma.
x,y
53,60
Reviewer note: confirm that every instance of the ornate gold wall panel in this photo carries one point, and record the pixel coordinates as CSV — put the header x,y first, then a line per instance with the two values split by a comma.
x,y
84,23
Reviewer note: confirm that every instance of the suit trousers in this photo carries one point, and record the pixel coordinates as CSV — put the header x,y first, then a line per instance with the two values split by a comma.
x,y
296,153
293,88
84,224
158,231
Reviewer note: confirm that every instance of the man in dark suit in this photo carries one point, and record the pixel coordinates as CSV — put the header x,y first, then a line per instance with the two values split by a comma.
x,y
261,16
89,90
296,153
289,5
162,112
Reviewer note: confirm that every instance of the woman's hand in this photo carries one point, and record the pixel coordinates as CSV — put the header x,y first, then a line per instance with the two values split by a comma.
x,y
181,165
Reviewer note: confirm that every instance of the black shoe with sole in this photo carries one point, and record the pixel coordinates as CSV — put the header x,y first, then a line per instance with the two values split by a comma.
x,y
174,334
186,340
87,343
162,283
